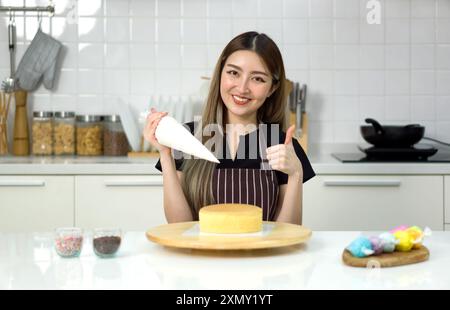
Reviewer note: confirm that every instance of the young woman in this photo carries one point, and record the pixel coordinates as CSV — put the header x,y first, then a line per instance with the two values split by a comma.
x,y
247,91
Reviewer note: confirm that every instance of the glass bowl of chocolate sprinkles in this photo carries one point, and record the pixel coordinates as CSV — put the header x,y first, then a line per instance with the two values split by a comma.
x,y
106,241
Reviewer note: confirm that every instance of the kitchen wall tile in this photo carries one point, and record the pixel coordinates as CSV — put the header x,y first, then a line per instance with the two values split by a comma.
x,y
273,28
443,30
171,8
398,8
117,7
371,106
63,102
142,8
397,31
323,104
68,56
32,25
423,108
63,31
219,8
367,8
142,56
90,104
321,132
443,57
397,82
195,8
194,56
191,82
397,56
346,82
443,82
422,31
443,108
168,81
143,30
4,56
40,102
270,9
321,31
371,82
169,30
90,82
295,8
443,131
346,108
116,82
142,82
90,29
423,8
214,51
371,33
397,108
90,8
346,31
244,9
422,82
117,56
346,57
320,56
345,132
346,8
443,9
90,55
371,57
66,82
242,25
296,56
219,31
322,82
422,56
117,29
321,8
168,55
194,31
295,31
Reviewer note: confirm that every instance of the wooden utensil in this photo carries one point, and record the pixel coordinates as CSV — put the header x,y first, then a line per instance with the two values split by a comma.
x,y
387,259
175,235
5,99
21,145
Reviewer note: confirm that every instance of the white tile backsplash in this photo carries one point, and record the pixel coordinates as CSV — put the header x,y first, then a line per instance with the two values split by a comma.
x,y
397,71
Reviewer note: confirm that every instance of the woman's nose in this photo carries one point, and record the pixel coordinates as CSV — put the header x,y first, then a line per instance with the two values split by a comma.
x,y
242,86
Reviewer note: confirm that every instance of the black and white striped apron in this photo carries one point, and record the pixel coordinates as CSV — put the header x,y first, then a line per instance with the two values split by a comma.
x,y
257,187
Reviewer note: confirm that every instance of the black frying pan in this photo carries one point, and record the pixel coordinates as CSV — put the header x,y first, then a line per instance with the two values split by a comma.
x,y
391,136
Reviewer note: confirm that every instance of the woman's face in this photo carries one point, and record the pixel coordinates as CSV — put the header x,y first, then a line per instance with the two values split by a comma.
x,y
245,84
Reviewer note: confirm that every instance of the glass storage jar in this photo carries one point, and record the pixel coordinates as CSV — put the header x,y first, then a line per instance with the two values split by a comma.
x,y
115,142
68,241
106,241
89,135
42,128
64,133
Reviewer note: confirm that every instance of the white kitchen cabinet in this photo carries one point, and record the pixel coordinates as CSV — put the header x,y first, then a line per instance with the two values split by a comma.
x,y
447,227
36,203
369,202
447,199
127,202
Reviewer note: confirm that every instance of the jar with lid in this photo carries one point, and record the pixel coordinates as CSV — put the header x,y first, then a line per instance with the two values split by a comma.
x,y
115,142
41,132
89,135
64,133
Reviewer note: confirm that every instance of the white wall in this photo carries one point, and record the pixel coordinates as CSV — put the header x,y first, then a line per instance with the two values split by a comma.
x,y
397,71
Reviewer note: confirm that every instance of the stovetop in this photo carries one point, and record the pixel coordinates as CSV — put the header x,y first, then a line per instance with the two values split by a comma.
x,y
417,153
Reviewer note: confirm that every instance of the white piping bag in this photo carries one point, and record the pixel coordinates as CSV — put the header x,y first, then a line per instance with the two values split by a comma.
x,y
172,134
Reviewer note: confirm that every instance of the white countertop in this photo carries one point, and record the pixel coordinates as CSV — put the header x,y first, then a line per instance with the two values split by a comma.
x,y
28,261
320,156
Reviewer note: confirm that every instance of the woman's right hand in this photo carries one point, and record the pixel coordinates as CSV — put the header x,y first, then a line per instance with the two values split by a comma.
x,y
153,120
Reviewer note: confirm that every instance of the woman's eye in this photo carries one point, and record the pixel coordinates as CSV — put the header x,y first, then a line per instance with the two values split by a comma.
x,y
233,72
259,79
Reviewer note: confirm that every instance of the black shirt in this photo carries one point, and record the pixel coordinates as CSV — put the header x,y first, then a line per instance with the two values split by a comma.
x,y
252,162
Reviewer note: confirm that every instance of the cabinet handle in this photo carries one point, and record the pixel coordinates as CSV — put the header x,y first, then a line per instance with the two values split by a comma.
x,y
120,183
25,183
388,183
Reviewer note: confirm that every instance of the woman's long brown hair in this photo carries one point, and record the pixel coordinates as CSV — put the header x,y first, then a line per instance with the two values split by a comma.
x,y
197,173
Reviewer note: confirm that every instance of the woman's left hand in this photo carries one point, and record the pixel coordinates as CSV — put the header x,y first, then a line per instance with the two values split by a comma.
x,y
282,157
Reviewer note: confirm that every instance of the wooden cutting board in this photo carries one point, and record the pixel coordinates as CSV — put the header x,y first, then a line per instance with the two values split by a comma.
x,y
186,235
387,259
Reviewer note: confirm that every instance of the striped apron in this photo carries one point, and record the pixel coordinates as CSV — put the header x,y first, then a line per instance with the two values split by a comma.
x,y
257,187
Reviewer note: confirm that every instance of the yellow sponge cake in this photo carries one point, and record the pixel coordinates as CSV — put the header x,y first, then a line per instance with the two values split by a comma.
x,y
230,218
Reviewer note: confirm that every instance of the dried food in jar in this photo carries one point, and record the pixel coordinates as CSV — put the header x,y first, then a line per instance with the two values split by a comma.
x,y
106,246
90,140
64,139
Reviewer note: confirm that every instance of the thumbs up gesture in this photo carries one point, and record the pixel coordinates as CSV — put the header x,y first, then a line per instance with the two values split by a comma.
x,y
282,157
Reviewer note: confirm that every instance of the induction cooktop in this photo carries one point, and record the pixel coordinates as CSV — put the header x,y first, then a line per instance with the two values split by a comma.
x,y
417,153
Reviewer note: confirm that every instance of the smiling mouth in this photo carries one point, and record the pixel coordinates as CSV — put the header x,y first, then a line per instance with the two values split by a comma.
x,y
240,100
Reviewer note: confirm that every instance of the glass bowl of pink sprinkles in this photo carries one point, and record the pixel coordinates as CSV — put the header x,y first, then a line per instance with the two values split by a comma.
x,y
68,241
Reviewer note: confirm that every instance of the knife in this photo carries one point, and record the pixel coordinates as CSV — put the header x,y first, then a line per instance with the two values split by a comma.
x,y
298,111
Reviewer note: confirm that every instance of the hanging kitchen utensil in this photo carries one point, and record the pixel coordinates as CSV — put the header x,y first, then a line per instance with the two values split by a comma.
x,y
21,145
9,84
391,136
